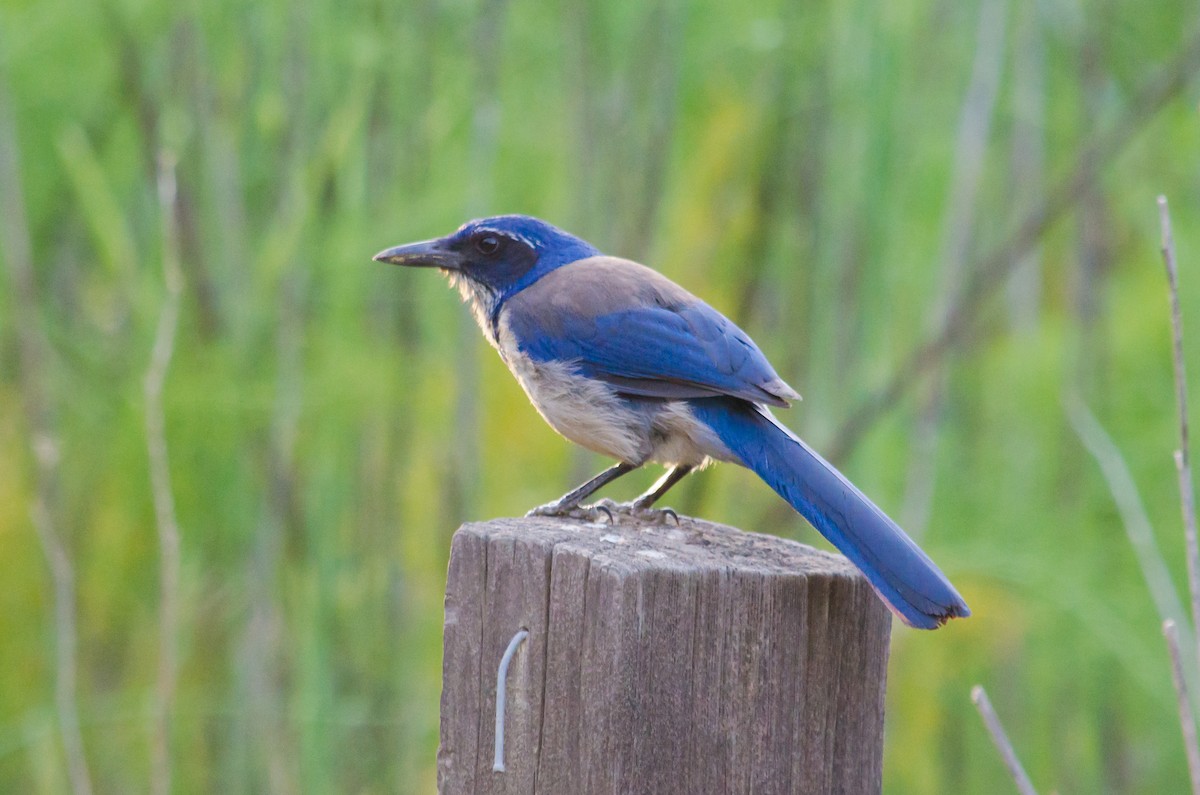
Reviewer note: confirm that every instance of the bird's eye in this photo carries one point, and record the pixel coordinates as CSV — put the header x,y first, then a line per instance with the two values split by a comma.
x,y
488,245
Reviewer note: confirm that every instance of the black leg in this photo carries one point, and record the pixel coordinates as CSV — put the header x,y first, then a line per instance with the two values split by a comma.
x,y
570,501
660,488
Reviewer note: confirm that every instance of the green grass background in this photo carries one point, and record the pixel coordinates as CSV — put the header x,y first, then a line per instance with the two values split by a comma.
x,y
330,421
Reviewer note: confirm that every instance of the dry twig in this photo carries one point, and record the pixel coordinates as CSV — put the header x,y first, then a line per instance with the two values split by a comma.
x,y
992,722
1186,719
32,348
1183,465
1187,499
160,482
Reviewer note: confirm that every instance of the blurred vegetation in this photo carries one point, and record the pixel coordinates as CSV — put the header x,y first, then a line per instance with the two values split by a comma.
x,y
829,174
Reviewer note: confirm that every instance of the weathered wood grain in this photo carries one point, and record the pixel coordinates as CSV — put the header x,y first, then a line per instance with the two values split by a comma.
x,y
660,659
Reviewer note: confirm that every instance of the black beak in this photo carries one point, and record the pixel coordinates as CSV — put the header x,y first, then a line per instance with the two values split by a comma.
x,y
426,254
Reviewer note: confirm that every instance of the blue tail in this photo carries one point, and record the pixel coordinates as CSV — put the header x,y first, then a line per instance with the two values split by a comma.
x,y
903,576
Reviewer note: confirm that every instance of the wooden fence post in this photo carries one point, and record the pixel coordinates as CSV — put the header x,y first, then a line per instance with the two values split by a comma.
x,y
660,659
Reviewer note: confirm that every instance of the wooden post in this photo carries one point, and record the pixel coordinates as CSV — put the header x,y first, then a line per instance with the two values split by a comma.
x,y
660,659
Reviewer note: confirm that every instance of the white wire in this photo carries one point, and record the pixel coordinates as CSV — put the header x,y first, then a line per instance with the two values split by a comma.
x,y
501,680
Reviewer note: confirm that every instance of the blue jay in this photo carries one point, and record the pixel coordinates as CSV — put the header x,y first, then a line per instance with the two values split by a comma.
x,y
621,360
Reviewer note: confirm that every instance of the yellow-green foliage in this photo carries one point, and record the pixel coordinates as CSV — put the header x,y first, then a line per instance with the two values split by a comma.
x,y
331,420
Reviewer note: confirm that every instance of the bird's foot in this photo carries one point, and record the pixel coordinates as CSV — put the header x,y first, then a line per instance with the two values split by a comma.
x,y
606,510
639,512
583,513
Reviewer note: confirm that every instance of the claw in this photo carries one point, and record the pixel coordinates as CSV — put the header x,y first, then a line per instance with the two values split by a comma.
x,y
656,515
582,513
606,504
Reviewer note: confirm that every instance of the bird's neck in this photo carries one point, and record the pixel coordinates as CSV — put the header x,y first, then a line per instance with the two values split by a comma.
x,y
484,302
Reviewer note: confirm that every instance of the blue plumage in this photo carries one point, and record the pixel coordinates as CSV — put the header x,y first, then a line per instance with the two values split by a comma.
x,y
903,575
618,358
640,332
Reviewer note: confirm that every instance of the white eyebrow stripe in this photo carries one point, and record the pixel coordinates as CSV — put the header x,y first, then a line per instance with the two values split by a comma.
x,y
509,235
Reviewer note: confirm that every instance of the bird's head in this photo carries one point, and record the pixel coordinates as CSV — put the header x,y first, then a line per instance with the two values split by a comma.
x,y
499,255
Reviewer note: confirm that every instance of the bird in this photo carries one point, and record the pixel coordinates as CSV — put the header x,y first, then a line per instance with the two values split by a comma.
x,y
623,361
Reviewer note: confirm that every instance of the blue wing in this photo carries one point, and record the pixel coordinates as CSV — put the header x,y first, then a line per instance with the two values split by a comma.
x,y
635,329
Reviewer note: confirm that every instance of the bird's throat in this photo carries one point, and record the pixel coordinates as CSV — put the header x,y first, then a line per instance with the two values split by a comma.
x,y
482,299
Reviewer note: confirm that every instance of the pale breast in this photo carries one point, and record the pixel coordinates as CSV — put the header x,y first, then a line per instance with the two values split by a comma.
x,y
591,413
583,410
